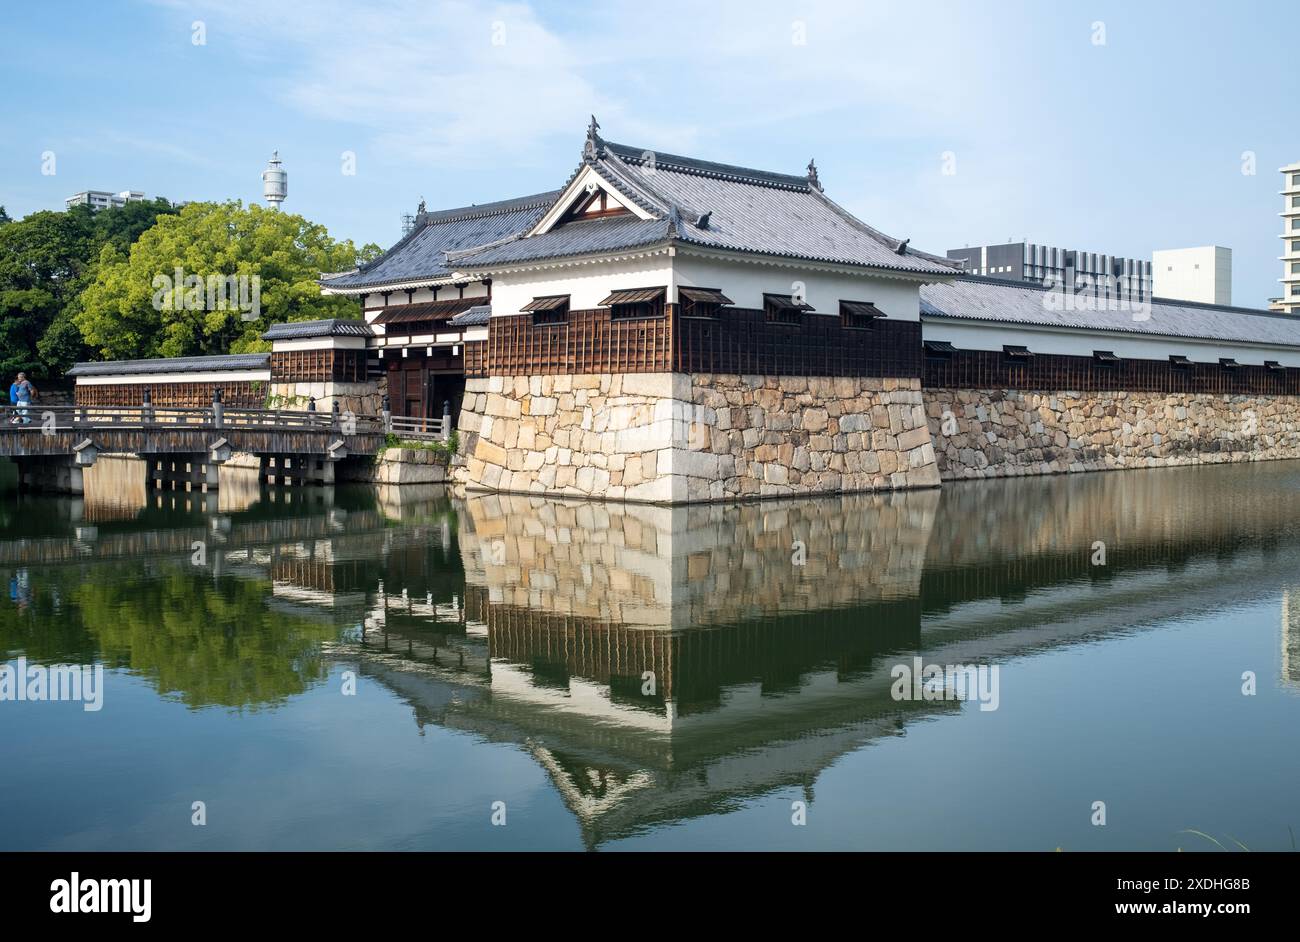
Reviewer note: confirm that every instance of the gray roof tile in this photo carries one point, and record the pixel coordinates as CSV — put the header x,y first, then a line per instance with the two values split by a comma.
x,y
422,253
610,234
751,211
1007,302
233,361
476,316
336,327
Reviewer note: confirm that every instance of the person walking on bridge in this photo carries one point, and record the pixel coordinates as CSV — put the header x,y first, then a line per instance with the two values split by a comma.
x,y
21,393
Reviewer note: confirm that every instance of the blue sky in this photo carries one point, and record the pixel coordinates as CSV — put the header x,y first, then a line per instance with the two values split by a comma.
x,y
1124,146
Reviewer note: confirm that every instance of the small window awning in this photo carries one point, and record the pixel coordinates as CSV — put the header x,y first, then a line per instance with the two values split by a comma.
x,y
634,296
861,309
1273,365
1179,360
786,302
939,347
1016,352
1228,363
422,311
704,295
1104,356
549,303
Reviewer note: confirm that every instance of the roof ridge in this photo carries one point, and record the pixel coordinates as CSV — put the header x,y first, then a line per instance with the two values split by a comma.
x,y
495,208
709,168
1168,302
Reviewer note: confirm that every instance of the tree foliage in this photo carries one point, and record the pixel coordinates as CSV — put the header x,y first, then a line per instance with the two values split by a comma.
x,y
46,260
141,305
80,284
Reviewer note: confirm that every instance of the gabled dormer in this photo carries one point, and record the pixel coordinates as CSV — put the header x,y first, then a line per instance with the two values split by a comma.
x,y
588,196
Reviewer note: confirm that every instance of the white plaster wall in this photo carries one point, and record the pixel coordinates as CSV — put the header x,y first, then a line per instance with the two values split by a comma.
x,y
993,336
745,283
587,284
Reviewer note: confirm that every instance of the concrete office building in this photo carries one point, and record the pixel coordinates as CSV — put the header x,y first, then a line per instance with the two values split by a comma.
x,y
1201,274
1091,273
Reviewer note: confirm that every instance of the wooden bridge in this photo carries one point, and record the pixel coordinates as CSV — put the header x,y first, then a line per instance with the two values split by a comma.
x,y
184,447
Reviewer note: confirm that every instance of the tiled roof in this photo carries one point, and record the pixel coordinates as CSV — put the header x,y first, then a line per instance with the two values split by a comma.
x,y
422,311
336,327
716,206
1008,302
422,253
233,361
582,237
476,316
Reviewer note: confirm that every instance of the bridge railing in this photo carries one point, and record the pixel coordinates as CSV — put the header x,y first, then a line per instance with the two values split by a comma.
x,y
88,418
68,418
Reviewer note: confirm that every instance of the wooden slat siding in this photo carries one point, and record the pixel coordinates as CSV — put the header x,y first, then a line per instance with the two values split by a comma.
x,y
743,341
476,358
244,395
343,366
987,369
588,342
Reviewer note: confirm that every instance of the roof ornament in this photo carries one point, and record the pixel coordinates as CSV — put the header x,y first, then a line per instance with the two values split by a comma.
x,y
902,247
812,175
422,210
703,221
593,139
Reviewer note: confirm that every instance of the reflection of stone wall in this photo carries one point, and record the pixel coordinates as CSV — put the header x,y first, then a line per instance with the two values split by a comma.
x,y
705,564
676,437
1002,432
1140,518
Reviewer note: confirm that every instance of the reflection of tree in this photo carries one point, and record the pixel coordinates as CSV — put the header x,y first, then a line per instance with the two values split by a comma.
x,y
207,642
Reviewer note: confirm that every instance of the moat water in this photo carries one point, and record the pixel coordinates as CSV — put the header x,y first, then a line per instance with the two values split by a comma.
x,y
385,668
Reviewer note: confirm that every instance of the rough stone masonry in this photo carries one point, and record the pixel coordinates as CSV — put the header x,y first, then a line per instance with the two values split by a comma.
x,y
679,437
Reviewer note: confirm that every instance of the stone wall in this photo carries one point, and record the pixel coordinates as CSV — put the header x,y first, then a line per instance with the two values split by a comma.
x,y
678,437
360,398
979,433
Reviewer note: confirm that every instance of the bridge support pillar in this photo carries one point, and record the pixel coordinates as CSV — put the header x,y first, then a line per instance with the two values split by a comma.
x,y
56,474
182,472
295,469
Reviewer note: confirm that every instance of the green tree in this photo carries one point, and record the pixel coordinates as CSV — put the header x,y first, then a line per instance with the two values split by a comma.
x,y
42,260
46,261
4,216
144,302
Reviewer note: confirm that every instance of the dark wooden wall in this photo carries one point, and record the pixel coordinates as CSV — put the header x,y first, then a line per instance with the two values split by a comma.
x,y
319,366
587,342
983,369
739,340
240,395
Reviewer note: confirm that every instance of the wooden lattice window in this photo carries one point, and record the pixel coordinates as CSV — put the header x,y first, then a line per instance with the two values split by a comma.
x,y
635,304
859,315
549,311
702,302
785,309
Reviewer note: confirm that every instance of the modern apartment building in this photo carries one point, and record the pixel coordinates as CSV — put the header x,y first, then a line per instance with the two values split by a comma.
x,y
102,199
1201,274
1094,273
1290,300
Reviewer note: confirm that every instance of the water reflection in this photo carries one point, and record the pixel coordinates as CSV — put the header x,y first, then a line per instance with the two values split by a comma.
x,y
658,663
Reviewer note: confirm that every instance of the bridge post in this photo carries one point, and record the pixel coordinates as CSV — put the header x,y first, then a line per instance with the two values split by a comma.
x,y
218,409
446,419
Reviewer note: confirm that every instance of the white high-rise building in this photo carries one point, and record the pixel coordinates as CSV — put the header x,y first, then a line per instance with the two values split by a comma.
x,y
1290,300
102,199
1201,274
